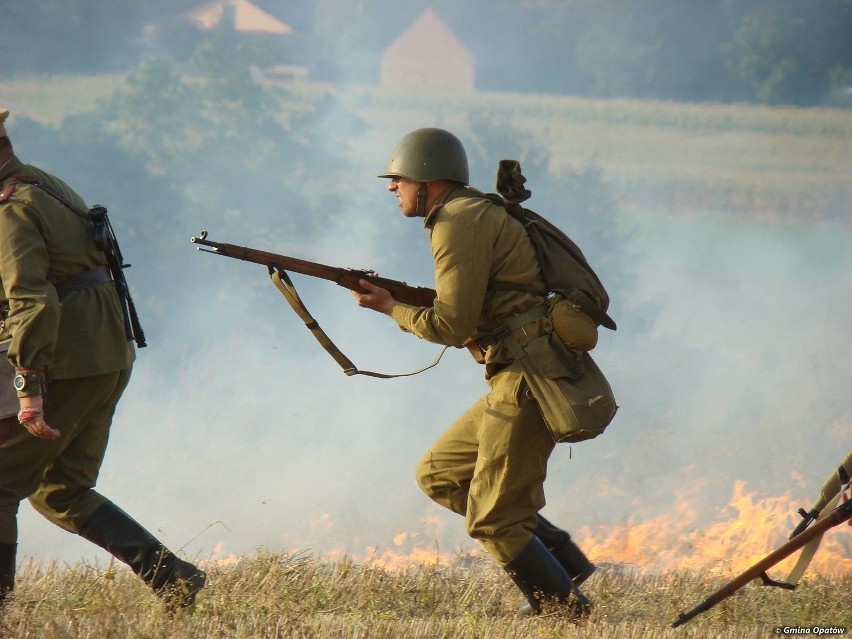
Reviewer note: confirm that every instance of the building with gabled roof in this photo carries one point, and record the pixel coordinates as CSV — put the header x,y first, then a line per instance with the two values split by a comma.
x,y
427,56
244,16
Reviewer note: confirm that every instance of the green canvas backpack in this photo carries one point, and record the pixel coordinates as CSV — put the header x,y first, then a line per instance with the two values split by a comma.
x,y
565,270
579,406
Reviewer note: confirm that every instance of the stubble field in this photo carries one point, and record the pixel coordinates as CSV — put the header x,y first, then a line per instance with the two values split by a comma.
x,y
277,596
757,161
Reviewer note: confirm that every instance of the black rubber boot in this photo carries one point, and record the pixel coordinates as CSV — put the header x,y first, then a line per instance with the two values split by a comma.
x,y
173,579
7,569
566,551
543,580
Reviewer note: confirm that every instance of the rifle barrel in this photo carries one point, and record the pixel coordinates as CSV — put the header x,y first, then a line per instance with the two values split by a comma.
x,y
346,277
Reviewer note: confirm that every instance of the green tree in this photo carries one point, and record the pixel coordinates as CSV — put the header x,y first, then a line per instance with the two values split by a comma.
x,y
759,53
74,36
792,52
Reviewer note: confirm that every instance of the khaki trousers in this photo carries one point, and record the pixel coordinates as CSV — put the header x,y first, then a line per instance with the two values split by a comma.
x,y
58,475
490,466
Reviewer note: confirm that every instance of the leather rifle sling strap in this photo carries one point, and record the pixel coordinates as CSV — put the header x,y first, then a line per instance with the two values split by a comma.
x,y
50,191
288,290
808,551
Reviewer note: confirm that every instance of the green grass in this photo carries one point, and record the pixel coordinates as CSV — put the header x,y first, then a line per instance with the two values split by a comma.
x,y
274,595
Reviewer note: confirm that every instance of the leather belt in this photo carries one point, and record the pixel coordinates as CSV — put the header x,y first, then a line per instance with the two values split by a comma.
x,y
511,325
83,280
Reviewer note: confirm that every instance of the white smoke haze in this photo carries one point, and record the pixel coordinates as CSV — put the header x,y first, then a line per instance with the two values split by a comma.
x,y
238,432
256,438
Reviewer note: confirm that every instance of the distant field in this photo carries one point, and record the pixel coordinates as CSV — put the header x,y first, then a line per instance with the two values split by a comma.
x,y
49,99
782,163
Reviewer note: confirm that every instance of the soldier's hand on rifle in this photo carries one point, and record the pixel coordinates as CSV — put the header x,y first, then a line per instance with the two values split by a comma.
x,y
376,298
31,417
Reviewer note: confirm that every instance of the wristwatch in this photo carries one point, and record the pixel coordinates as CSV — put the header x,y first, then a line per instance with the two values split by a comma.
x,y
29,380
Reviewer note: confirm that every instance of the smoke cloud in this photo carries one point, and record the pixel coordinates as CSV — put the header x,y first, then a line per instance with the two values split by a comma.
x,y
238,432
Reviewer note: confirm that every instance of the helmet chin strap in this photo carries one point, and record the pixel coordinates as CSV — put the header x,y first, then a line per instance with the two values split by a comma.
x,y
420,208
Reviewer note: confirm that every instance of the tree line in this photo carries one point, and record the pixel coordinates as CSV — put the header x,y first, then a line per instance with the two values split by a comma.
x,y
795,52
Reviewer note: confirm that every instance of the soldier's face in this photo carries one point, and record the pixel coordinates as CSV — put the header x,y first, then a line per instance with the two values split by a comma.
x,y
406,193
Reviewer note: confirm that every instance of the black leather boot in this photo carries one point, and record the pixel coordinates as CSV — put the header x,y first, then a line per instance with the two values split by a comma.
x,y
566,551
7,569
173,579
543,580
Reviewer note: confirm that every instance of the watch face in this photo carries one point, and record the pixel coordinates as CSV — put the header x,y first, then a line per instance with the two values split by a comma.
x,y
20,382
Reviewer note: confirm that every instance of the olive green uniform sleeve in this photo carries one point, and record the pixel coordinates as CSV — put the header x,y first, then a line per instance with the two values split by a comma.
x,y
461,248
474,245
33,302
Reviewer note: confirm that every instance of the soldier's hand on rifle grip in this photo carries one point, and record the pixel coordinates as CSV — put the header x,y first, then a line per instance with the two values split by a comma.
x,y
376,298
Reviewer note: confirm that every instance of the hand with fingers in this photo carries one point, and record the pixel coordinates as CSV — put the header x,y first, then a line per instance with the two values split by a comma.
x,y
31,417
376,298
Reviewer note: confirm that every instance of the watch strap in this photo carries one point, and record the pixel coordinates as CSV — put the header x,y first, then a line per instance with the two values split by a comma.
x,y
29,382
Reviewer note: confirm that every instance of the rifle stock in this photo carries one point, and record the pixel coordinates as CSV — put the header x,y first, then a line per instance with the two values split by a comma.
x,y
758,570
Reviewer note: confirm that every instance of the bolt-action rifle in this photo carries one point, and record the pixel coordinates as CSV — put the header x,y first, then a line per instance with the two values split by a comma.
x,y
346,277
106,242
834,518
278,265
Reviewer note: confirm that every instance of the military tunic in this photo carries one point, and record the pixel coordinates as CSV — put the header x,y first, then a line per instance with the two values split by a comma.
x,y
490,465
79,342
43,244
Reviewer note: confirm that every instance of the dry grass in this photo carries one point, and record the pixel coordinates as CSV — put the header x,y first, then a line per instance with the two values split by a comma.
x,y
276,595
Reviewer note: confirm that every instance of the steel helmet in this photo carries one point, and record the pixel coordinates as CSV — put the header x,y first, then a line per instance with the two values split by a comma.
x,y
429,154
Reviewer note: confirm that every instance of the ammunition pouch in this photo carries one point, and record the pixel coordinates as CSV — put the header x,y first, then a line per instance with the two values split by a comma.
x,y
586,304
573,326
574,397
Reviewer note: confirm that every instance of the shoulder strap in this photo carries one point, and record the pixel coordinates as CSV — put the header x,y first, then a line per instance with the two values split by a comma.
x,y
285,286
9,189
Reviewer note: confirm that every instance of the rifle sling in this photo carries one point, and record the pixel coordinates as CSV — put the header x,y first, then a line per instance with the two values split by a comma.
x,y
811,547
50,191
285,285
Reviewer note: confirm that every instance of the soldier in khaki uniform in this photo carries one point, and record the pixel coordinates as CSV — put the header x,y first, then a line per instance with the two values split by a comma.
x,y
490,465
73,361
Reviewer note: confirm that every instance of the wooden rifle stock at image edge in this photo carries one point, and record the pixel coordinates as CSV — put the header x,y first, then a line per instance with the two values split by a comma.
x,y
837,516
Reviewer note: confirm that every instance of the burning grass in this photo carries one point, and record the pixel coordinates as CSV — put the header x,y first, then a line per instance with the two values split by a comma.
x,y
274,595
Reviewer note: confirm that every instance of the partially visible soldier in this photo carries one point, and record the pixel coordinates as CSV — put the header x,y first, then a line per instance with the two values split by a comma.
x,y
73,362
832,492
490,465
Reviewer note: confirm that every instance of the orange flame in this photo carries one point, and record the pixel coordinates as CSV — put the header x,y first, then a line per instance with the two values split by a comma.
x,y
747,529
752,528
